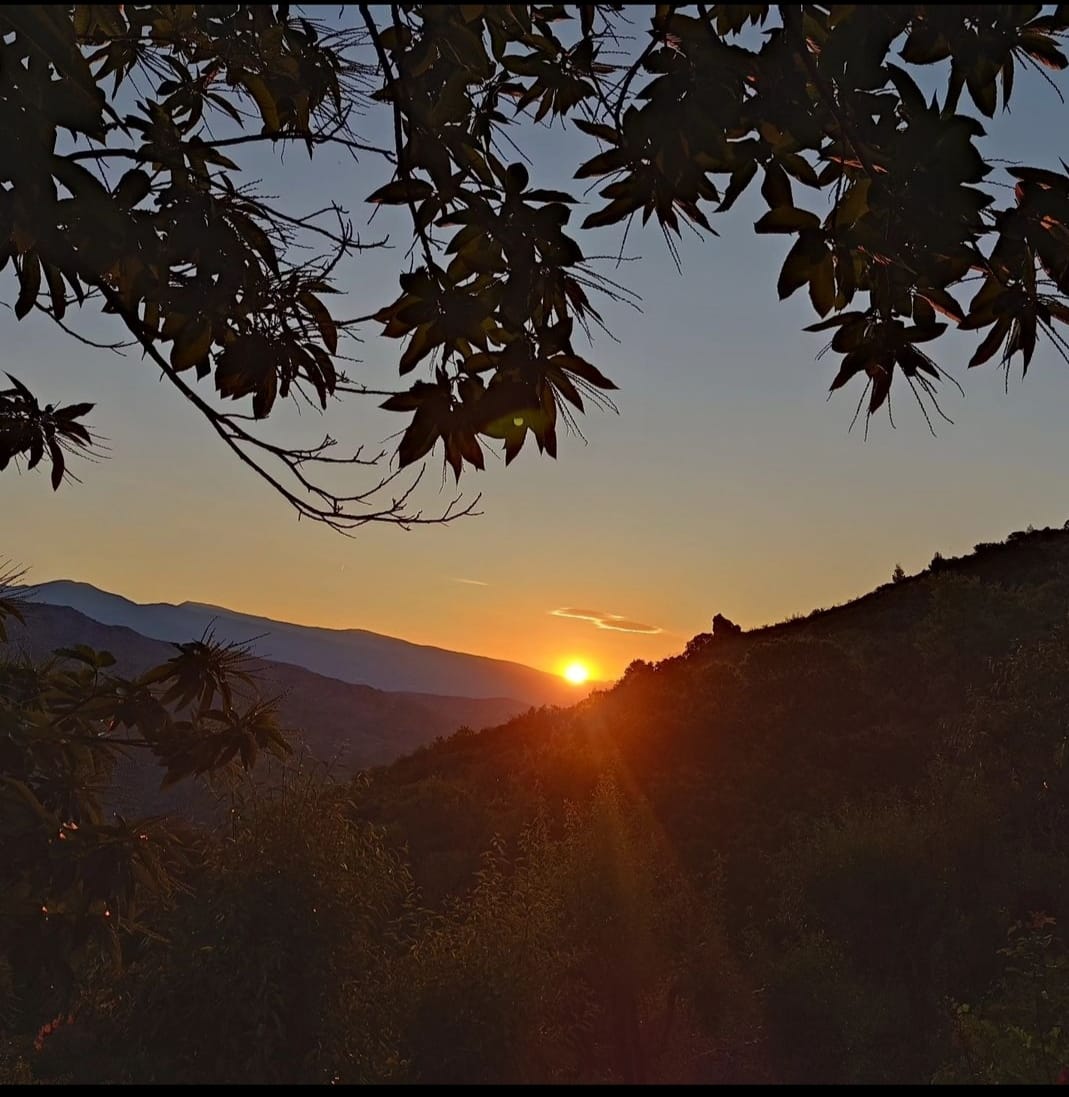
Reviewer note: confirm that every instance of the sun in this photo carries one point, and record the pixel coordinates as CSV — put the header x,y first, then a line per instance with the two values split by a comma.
x,y
576,673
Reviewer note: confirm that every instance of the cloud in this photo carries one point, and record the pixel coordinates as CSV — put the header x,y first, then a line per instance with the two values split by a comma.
x,y
471,582
611,621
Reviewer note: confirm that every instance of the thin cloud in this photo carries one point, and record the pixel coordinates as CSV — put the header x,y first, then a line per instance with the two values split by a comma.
x,y
611,621
471,582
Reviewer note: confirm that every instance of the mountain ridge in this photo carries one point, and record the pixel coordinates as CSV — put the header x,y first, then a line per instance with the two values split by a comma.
x,y
345,726
358,656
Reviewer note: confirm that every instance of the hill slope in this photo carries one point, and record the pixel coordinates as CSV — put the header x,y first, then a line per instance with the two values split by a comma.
x,y
350,655
871,797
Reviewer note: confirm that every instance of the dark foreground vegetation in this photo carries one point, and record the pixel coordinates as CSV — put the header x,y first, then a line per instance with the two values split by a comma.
x,y
832,850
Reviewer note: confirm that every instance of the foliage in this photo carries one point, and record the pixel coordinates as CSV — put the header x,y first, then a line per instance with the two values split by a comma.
x,y
278,965
74,882
208,278
872,826
792,857
119,192
574,963
1016,1035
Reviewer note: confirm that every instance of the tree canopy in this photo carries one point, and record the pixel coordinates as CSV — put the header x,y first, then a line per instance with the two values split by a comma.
x,y
118,192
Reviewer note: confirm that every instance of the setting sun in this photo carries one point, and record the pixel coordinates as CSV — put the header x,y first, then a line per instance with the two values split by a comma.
x,y
576,673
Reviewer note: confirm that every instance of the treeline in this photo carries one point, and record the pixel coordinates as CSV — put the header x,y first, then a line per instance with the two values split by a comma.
x,y
833,851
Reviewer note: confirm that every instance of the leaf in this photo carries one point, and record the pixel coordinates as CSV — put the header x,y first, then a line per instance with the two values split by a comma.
x,y
740,180
822,285
581,368
942,302
516,179
912,99
242,365
74,411
776,187
854,205
424,339
798,266
29,284
603,164
56,290
133,188
328,330
401,191
925,333
192,344
265,100
835,321
852,364
799,167
786,219
615,211
914,361
881,384
51,31
418,439
255,237
548,196
990,344
925,45
1038,46
263,399
595,129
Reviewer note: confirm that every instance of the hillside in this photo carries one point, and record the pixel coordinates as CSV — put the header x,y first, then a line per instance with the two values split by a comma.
x,y
873,780
834,850
925,641
349,655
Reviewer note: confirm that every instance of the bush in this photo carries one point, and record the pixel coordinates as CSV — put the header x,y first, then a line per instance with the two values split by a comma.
x,y
277,966
1017,1034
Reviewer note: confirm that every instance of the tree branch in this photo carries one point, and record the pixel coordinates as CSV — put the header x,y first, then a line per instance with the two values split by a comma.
x,y
333,510
395,87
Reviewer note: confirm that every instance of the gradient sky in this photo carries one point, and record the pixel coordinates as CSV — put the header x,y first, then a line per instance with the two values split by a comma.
x,y
728,482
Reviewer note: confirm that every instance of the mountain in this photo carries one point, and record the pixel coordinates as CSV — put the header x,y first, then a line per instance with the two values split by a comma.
x,y
341,725
349,655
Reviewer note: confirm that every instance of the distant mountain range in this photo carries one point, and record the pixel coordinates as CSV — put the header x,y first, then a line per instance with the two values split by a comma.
x,y
349,655
342,725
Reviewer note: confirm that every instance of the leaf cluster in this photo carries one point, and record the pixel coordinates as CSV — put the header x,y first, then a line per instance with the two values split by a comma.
x,y
889,196
75,877
820,103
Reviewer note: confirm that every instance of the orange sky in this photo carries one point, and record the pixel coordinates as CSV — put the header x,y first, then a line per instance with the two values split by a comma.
x,y
728,483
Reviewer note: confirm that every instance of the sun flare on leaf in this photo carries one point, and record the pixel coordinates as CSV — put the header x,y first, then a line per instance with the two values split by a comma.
x,y
576,673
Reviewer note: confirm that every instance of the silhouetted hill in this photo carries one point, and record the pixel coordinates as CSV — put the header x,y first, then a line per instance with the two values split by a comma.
x,y
874,794
740,744
349,655
832,850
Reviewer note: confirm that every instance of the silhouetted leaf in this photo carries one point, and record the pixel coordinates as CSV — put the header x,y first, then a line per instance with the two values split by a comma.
x,y
29,284
990,344
786,219
401,191
192,343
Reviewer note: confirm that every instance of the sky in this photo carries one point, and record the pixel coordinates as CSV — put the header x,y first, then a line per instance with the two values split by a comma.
x,y
728,482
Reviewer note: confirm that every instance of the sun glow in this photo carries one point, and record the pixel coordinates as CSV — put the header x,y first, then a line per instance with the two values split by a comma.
x,y
576,673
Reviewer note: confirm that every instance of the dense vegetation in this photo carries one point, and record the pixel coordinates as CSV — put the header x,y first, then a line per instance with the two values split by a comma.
x,y
830,850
